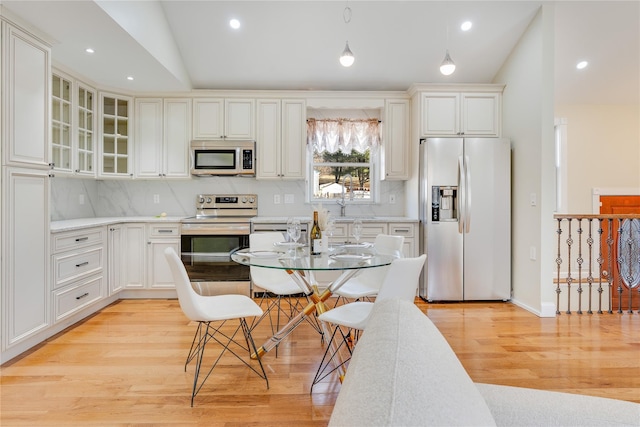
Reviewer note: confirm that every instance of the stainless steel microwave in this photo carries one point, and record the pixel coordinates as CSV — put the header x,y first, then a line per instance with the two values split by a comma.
x,y
222,157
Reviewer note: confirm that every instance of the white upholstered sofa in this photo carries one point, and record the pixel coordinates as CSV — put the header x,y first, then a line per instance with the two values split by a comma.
x,y
404,373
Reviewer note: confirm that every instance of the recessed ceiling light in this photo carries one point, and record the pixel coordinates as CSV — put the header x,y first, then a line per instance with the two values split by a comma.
x,y
466,26
581,65
129,77
89,50
234,23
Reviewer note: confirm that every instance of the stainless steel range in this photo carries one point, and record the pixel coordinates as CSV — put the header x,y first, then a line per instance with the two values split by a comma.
x,y
222,224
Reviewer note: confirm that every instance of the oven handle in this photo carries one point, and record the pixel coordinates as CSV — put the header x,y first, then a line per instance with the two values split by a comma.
x,y
215,230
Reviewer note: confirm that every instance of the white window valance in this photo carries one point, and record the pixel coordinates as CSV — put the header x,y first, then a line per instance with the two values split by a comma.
x,y
333,135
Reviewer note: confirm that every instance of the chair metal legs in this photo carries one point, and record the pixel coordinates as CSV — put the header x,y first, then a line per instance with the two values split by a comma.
x,y
333,359
205,332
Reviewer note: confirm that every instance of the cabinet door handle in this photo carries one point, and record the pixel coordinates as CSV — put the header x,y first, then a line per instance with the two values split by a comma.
x,y
82,239
82,264
165,231
86,294
401,230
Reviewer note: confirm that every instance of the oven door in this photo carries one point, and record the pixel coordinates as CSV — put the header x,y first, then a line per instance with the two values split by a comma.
x,y
207,259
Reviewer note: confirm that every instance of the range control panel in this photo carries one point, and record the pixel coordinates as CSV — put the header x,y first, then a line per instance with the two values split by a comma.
x,y
226,201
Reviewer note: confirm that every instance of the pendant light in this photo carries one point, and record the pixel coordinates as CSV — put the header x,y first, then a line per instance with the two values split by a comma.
x,y
448,66
347,59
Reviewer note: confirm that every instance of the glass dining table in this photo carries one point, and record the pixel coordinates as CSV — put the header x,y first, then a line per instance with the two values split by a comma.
x,y
301,266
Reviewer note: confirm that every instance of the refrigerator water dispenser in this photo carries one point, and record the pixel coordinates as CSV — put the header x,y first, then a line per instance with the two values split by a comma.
x,y
443,203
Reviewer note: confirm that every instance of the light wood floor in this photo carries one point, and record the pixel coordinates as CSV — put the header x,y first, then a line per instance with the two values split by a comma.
x,y
124,366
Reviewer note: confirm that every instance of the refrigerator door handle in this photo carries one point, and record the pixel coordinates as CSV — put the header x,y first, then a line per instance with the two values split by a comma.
x,y
461,194
467,191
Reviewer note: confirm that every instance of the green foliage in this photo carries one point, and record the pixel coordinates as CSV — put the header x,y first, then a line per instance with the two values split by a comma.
x,y
361,174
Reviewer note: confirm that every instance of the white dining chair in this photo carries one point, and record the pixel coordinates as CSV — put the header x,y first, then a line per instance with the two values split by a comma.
x,y
401,281
367,283
218,310
277,286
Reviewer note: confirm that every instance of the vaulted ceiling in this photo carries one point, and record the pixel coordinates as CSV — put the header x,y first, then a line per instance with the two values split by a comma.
x,y
173,46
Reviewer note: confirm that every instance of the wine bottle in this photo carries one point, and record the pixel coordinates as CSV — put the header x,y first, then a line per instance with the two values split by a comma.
x,y
315,236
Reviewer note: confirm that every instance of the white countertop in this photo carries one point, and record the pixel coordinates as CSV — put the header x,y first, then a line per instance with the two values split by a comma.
x,y
79,223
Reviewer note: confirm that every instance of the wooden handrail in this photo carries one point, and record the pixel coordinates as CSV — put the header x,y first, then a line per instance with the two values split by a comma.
x,y
592,216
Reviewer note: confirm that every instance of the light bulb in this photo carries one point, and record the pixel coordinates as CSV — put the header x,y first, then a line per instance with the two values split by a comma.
x,y
347,59
448,67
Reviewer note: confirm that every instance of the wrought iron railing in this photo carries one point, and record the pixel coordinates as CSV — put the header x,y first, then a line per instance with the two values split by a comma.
x,y
598,263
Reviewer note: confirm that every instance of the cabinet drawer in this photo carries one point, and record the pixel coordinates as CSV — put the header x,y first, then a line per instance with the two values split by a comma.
x,y
371,229
340,230
164,230
75,265
77,239
73,298
402,229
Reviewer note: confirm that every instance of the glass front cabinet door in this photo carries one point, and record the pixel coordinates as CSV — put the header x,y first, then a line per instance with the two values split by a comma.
x,y
115,153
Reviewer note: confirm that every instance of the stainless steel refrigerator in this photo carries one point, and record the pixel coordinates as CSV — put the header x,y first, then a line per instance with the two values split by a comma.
x,y
465,213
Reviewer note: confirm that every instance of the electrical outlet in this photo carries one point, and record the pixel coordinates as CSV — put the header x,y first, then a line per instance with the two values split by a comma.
x,y
156,198
533,200
392,198
81,199
532,253
289,199
276,199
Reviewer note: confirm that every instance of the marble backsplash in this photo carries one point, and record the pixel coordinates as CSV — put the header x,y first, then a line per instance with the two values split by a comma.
x,y
73,198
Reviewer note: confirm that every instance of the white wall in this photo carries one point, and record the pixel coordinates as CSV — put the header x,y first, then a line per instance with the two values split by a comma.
x,y
603,150
528,121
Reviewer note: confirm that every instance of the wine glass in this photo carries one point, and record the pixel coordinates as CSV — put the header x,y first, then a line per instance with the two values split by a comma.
x,y
293,230
357,230
330,227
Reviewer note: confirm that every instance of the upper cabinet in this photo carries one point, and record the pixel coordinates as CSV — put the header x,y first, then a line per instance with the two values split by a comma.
x,y
72,126
115,153
395,153
26,114
162,135
281,139
219,118
461,113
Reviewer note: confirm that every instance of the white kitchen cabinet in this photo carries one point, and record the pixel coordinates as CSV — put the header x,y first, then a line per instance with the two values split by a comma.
x,y
160,237
61,94
220,118
115,147
116,258
26,108
84,143
25,287
409,232
162,135
72,126
135,252
281,139
395,153
461,113
343,231
78,269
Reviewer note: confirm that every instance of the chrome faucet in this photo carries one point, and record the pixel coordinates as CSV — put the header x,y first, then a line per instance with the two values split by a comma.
x,y
343,202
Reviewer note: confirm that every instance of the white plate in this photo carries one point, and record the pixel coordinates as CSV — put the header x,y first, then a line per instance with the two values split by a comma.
x,y
351,257
356,245
288,244
264,254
